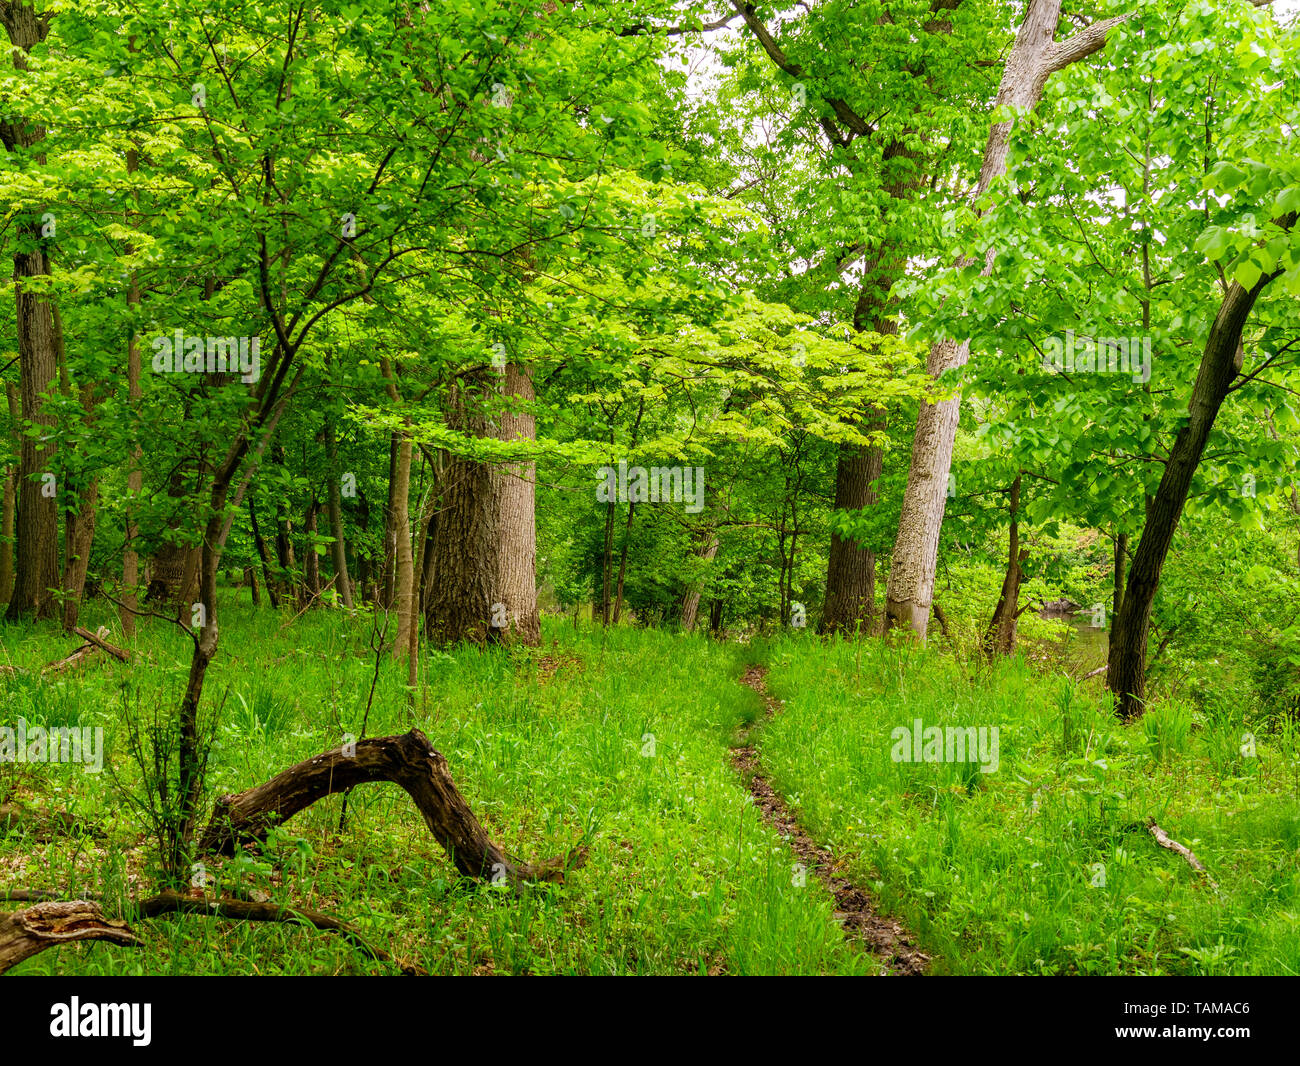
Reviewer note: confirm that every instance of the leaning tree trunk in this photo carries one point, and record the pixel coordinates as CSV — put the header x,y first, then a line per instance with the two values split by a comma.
x,y
1220,363
485,539
1034,57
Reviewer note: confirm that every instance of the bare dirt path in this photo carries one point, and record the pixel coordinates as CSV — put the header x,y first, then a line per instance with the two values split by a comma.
x,y
886,940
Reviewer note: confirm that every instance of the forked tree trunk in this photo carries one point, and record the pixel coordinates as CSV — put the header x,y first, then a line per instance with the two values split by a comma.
x,y
1000,637
1034,57
485,539
1126,664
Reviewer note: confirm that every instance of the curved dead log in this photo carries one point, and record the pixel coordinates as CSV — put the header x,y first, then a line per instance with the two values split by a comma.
x,y
27,932
408,760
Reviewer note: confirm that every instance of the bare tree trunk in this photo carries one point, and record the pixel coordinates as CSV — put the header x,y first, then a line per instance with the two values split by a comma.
x,y
1034,57
485,539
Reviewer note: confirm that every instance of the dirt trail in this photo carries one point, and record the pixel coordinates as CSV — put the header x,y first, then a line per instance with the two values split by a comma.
x,y
885,939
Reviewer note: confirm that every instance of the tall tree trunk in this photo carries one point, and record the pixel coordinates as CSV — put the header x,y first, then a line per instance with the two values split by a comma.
x,y
135,472
1000,637
851,573
1117,577
311,563
1220,363
404,561
607,564
339,549
389,574
1034,57
622,563
79,537
37,560
10,505
485,539
259,542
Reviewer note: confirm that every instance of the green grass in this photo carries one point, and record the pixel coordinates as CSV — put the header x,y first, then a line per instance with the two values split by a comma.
x,y
1045,866
1042,867
547,746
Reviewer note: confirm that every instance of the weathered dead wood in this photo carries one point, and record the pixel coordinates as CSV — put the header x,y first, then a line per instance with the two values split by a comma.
x,y
1163,839
75,659
408,760
247,911
98,640
27,932
166,903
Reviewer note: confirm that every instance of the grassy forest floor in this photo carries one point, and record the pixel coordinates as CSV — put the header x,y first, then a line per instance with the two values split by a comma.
x,y
623,740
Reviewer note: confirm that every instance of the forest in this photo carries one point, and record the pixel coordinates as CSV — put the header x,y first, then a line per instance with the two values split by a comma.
x,y
655,487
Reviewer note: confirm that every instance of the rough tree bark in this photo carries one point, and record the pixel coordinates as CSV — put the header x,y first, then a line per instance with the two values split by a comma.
x,y
485,539
27,932
36,558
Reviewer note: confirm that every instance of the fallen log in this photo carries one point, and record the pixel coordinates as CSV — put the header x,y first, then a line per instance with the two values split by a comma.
x,y
27,932
98,639
408,760
233,909
1164,840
